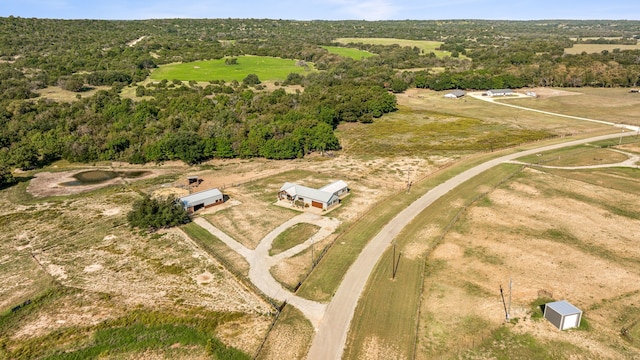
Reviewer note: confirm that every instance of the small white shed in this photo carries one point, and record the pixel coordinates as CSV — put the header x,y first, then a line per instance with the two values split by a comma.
x,y
562,314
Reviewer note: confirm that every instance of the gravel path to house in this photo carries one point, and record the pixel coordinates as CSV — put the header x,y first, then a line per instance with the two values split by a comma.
x,y
260,261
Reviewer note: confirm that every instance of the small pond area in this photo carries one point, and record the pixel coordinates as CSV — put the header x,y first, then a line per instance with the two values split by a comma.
x,y
92,177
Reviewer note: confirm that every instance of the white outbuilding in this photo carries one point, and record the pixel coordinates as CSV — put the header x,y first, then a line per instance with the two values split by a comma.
x,y
500,92
455,94
562,314
202,199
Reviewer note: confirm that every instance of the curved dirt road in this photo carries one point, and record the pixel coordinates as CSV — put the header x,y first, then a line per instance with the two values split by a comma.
x,y
331,335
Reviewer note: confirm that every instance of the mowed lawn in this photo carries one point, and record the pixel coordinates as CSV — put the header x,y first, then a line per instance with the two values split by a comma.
x,y
266,68
355,54
424,45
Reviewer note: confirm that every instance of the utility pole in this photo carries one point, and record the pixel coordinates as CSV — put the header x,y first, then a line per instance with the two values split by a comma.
x,y
393,262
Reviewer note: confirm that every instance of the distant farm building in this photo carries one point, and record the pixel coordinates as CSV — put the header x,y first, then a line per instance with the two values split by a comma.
x,y
455,94
562,314
323,198
500,92
203,199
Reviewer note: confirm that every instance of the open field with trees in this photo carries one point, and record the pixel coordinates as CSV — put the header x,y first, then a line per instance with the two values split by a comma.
x,y
78,278
352,53
426,47
229,69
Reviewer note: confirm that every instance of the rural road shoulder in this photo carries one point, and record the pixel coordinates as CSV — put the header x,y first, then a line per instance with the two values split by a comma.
x,y
331,336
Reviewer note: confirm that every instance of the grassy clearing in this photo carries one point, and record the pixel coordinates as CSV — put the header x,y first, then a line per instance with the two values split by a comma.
x,y
425,46
174,333
621,179
507,344
290,338
297,234
614,105
395,303
598,48
424,133
582,155
266,68
215,247
352,53
56,93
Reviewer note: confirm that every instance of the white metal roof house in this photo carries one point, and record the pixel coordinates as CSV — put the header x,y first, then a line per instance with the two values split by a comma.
x,y
316,198
455,94
562,314
500,92
339,188
202,199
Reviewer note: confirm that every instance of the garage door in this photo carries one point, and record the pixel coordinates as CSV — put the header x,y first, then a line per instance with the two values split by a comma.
x,y
316,204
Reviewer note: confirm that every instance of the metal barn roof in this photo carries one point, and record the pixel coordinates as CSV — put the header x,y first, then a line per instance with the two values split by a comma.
x,y
296,190
199,197
334,187
563,307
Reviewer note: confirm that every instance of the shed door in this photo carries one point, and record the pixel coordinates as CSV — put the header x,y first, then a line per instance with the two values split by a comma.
x,y
570,321
316,204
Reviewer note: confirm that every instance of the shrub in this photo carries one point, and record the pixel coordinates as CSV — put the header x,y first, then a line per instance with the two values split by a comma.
x,y
153,214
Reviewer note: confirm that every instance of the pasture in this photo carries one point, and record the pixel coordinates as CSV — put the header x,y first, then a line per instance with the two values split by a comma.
x,y
266,68
352,53
444,300
518,223
425,46
597,48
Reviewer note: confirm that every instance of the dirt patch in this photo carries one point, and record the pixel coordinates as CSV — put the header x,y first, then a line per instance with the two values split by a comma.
x,y
545,92
374,348
52,183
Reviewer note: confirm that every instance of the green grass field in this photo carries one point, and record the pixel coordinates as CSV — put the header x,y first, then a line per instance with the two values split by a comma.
x,y
266,68
596,48
424,45
355,54
293,236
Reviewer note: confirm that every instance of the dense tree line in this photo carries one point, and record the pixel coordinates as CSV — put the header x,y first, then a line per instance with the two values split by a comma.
x,y
170,120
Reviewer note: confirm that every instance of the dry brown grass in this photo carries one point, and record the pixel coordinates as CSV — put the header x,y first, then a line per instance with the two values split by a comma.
x,y
548,233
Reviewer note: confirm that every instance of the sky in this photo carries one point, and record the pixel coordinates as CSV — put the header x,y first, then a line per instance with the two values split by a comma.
x,y
325,9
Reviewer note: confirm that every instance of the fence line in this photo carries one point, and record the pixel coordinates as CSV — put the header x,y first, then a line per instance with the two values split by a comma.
x,y
440,238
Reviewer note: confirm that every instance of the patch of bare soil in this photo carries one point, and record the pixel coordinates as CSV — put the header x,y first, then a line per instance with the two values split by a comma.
x,y
374,348
547,244
551,92
82,310
52,183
